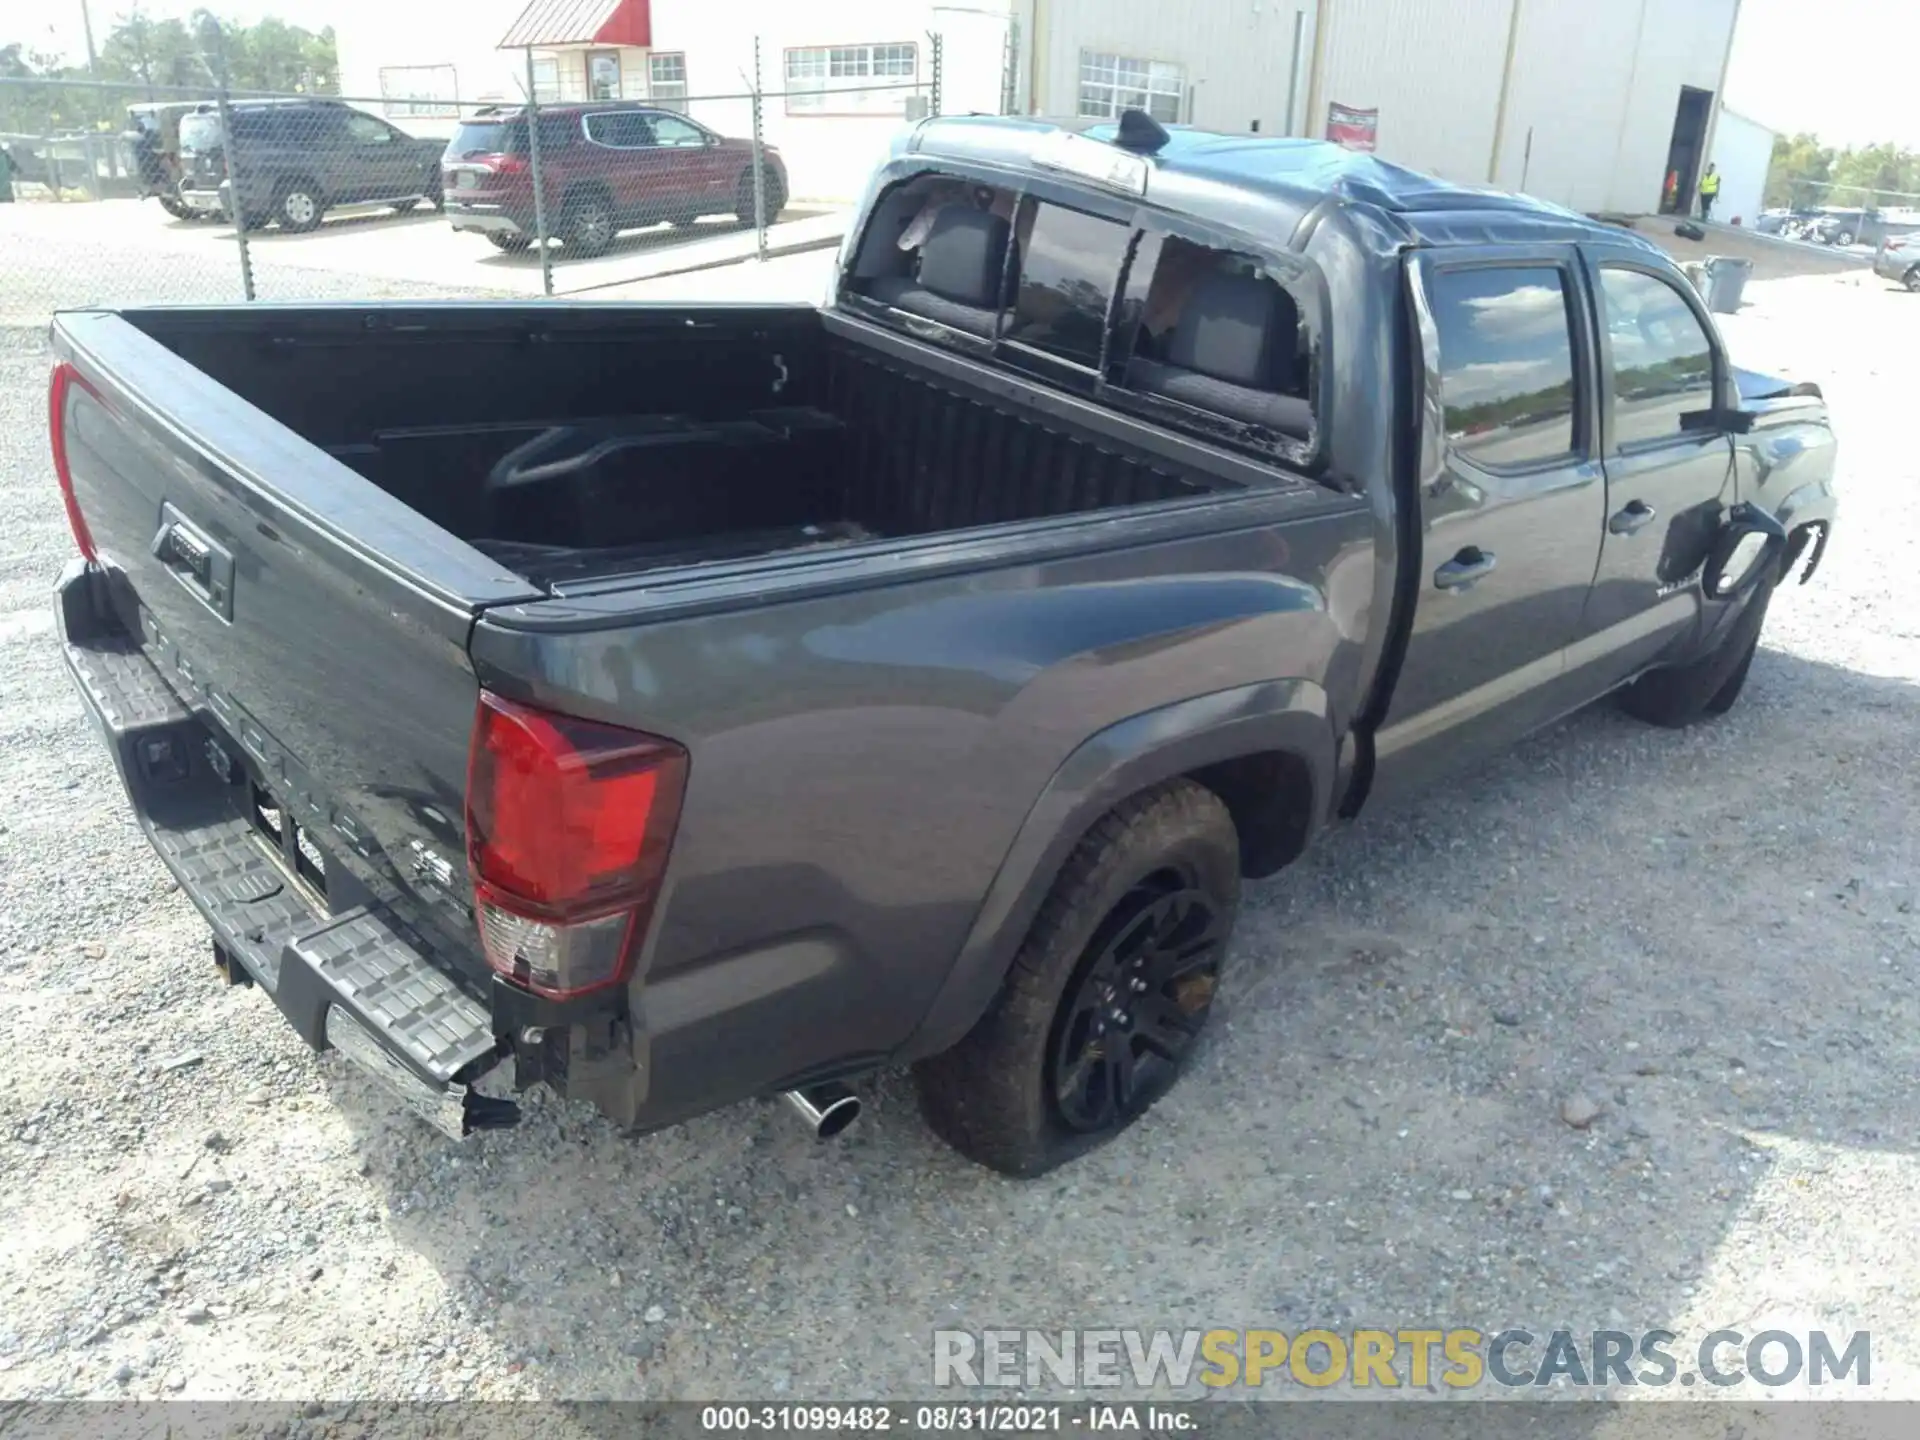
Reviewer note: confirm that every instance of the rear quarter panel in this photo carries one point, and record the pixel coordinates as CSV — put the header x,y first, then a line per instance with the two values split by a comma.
x,y
863,760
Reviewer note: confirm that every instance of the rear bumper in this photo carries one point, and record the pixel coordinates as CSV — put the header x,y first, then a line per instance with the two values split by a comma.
x,y
347,980
486,219
1894,266
204,202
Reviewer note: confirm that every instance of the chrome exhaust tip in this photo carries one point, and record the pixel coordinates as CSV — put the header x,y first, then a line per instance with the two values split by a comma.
x,y
828,1109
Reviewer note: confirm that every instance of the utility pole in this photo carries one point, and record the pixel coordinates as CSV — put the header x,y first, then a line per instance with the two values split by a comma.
x,y
93,60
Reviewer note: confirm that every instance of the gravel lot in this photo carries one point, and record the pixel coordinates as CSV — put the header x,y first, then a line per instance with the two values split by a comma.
x,y
1710,937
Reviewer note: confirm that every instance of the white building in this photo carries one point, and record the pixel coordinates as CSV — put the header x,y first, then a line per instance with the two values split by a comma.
x,y
1588,103
1743,151
1594,104
842,77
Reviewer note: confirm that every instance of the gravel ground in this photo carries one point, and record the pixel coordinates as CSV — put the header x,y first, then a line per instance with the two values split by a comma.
x,y
1707,938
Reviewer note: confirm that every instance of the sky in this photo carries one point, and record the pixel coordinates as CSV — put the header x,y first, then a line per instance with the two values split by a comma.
x,y
1843,69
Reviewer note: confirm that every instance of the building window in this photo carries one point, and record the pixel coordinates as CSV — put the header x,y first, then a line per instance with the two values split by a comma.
x,y
603,74
546,79
667,80
1112,83
852,79
419,90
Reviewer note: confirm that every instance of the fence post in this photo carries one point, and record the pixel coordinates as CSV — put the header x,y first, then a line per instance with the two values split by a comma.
x,y
539,181
237,210
759,161
937,42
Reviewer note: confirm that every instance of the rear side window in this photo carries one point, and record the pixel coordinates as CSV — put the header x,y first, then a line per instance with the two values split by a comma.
x,y
200,131
622,129
1506,364
1069,265
1662,358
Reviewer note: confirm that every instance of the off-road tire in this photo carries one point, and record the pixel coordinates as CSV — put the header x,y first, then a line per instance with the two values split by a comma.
x,y
990,1096
1686,694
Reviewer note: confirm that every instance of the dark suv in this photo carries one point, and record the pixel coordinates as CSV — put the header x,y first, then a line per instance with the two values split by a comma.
x,y
604,168
299,159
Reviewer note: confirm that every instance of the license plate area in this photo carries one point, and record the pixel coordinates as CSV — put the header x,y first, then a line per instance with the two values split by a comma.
x,y
466,180
287,838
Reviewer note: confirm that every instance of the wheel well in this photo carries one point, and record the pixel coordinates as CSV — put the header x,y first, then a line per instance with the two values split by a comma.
x,y
586,189
1270,797
297,182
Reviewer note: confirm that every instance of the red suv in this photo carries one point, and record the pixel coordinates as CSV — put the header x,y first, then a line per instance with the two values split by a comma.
x,y
604,168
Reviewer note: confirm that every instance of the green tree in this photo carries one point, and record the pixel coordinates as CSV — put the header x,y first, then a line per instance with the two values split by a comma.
x,y
157,59
1801,165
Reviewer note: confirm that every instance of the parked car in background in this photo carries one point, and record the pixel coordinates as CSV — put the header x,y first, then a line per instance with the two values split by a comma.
x,y
604,168
1898,258
1771,222
299,160
153,136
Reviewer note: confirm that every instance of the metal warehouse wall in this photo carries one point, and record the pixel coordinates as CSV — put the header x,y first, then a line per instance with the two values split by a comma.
x,y
1591,93
1597,84
1433,69
1236,54
1743,149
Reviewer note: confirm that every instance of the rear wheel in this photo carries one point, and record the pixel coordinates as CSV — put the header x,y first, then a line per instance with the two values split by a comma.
x,y
299,207
512,244
589,228
1103,1005
775,197
1912,278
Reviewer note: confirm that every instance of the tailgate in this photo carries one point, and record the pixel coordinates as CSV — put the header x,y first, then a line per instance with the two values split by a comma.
x,y
314,623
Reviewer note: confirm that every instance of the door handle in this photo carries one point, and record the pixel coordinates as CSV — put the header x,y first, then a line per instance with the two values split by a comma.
x,y
1471,564
1630,521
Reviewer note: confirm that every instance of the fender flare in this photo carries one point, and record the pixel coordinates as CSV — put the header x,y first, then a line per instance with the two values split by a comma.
x,y
1127,757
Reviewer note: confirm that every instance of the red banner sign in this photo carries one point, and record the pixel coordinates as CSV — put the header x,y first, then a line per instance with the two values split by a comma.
x,y
1355,129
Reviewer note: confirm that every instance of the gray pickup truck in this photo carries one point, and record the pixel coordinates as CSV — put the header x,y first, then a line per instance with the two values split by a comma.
x,y
689,703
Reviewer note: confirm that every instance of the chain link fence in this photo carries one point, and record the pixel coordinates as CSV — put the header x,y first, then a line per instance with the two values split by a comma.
x,y
1842,215
130,194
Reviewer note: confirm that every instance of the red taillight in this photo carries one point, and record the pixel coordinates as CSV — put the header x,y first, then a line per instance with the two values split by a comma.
x,y
568,827
507,164
64,378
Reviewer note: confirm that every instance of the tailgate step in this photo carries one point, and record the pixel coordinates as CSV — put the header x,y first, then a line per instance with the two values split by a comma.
x,y
361,965
130,692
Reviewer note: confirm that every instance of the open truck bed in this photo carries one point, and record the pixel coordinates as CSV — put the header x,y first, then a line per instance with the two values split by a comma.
x,y
573,448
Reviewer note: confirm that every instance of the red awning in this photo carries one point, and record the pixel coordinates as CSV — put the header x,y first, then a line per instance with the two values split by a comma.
x,y
581,22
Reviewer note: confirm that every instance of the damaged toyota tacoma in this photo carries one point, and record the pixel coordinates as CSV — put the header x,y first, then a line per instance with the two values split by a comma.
x,y
684,703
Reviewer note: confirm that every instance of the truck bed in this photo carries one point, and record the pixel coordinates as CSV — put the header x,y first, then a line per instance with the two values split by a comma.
x,y
569,453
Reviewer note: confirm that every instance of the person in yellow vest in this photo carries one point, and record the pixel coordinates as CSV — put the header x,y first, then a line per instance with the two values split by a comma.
x,y
1709,192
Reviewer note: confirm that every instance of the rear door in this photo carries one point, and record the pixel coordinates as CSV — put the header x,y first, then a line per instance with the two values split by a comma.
x,y
1669,480
621,148
1512,505
383,162
700,170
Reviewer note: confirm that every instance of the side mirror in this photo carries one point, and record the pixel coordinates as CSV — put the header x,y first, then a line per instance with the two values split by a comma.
x,y
1750,542
1717,422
